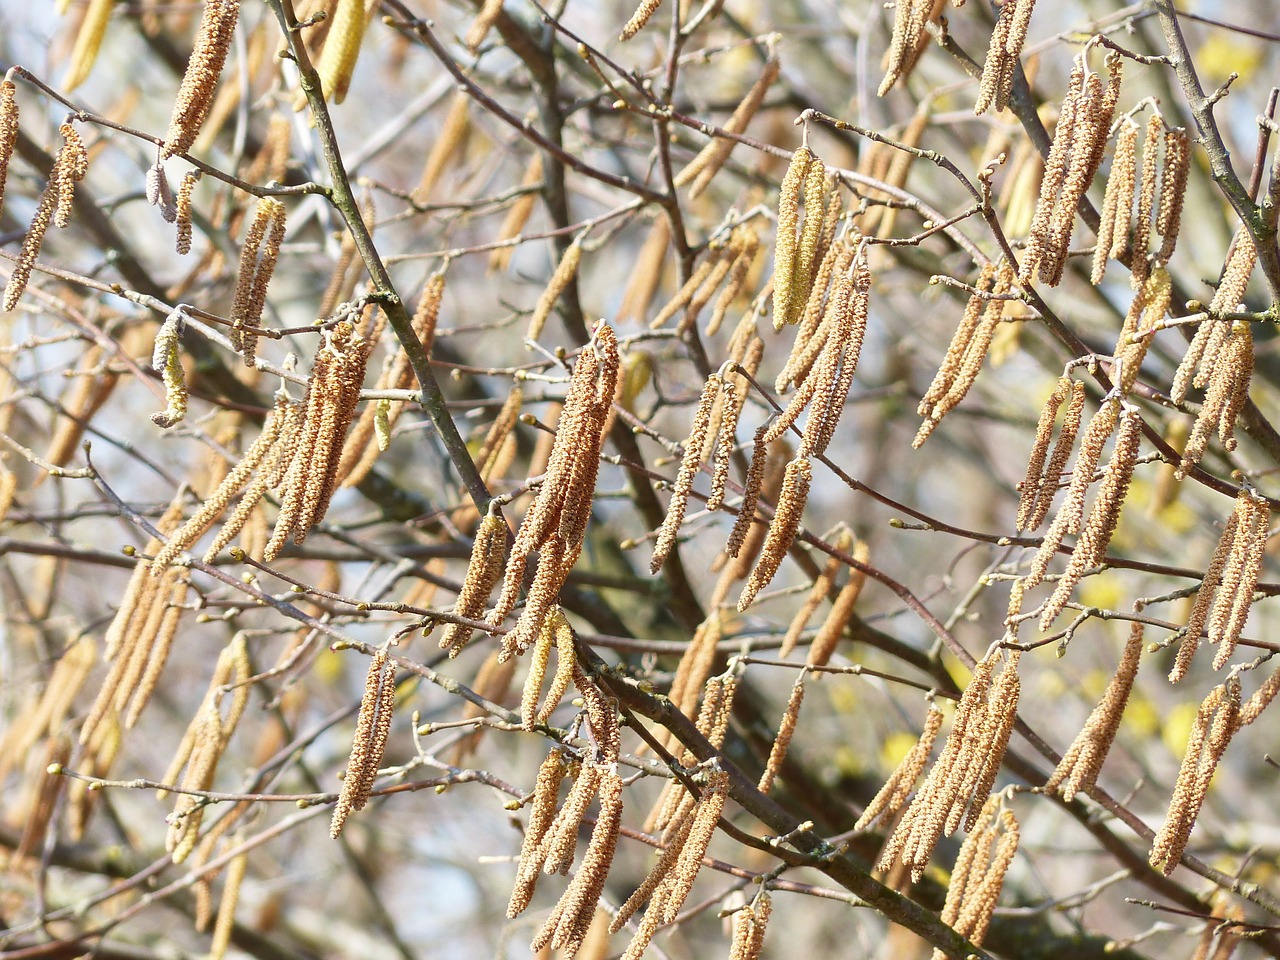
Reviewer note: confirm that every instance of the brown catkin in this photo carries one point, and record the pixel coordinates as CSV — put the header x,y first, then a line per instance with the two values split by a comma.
x,y
1233,603
541,815
372,728
909,19
823,583
183,210
783,530
564,274
1047,484
8,131
195,94
72,164
889,800
706,818
484,570
782,740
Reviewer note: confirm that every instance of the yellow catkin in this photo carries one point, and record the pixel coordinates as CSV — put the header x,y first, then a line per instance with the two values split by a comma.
x,y
783,530
1078,770
88,42
1234,599
1055,172
72,165
373,726
1006,46
1029,488
564,274
337,61
909,19
837,619
646,276
786,251
167,358
706,819
889,800
808,254
257,264
823,584
1209,586
1097,530
644,11
208,56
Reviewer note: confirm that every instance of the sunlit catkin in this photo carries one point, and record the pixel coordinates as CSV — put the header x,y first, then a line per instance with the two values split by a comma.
x,y
484,570
706,819
889,800
1215,724
1078,770
337,61
72,164
1029,487
541,814
783,530
167,358
1173,190
1097,531
909,18
998,70
638,19
786,251
702,169
1141,243
195,94
257,264
373,725
1117,203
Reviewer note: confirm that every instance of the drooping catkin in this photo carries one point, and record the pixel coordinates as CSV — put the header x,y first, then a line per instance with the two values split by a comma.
x,y
966,353
538,662
337,61
786,251
1097,531
541,815
1078,770
909,18
225,923
482,24
979,873
998,70
889,800
1029,487
195,94
1141,243
782,741
1173,190
783,530
93,28
702,169
72,165
832,376
841,612
1055,173
484,570
182,210
690,465
643,12
1215,724
8,130
1201,358
1117,203
1229,373
167,358
257,264
521,209
556,522
311,474
1070,516
706,817
51,203
567,926
373,726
